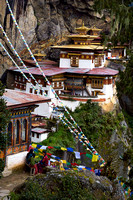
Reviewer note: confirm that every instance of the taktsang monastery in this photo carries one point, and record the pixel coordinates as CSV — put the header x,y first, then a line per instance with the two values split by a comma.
x,y
81,74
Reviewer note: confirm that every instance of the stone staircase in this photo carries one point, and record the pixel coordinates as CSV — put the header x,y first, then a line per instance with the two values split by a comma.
x,y
6,172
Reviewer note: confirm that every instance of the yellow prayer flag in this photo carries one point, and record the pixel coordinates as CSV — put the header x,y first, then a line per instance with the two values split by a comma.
x,y
129,190
62,169
41,150
34,145
94,158
63,149
64,161
121,183
75,169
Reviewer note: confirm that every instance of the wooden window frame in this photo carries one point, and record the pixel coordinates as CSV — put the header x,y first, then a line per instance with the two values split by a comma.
x,y
98,61
26,131
31,90
97,83
18,130
35,91
11,132
74,60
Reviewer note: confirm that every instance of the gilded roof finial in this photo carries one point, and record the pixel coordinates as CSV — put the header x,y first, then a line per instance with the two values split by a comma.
x,y
83,24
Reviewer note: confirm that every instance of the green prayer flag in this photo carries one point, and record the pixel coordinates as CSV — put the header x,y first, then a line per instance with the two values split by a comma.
x,y
57,147
89,155
68,163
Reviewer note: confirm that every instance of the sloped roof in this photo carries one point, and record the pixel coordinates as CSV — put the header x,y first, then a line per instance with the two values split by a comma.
x,y
17,99
40,130
103,71
51,71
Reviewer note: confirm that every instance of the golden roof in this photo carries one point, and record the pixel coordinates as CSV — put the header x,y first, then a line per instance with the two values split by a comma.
x,y
39,54
95,29
82,28
83,36
86,47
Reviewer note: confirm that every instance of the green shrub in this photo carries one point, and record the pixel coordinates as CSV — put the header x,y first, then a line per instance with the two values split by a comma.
x,y
64,187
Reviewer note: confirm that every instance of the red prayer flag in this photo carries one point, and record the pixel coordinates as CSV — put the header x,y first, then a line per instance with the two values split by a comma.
x,y
74,164
49,147
82,153
49,154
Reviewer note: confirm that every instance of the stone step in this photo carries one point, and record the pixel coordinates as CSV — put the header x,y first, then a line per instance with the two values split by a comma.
x,y
4,194
6,172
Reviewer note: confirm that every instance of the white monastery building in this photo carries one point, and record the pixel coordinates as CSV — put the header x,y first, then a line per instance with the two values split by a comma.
x,y
80,75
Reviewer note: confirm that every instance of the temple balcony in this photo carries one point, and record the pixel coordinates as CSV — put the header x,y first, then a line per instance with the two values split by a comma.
x,y
75,87
80,98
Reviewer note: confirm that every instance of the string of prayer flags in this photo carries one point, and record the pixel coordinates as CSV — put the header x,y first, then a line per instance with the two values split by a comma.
x,y
69,149
127,190
56,159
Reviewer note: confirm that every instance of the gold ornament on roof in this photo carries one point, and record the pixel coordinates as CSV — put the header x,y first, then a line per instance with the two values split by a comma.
x,y
83,29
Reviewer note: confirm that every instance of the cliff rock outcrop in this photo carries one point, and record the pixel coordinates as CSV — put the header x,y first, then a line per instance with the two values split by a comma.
x,y
46,22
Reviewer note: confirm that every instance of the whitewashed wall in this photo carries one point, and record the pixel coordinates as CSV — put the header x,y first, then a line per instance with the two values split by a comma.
x,y
107,90
64,63
16,160
44,110
84,63
41,137
71,104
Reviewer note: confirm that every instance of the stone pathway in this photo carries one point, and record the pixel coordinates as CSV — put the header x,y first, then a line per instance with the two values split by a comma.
x,y
7,184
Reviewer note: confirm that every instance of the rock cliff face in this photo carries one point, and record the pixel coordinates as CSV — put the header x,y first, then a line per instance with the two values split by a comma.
x,y
46,21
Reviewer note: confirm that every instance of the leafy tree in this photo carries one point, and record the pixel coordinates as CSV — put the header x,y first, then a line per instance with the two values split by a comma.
x,y
94,123
4,120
